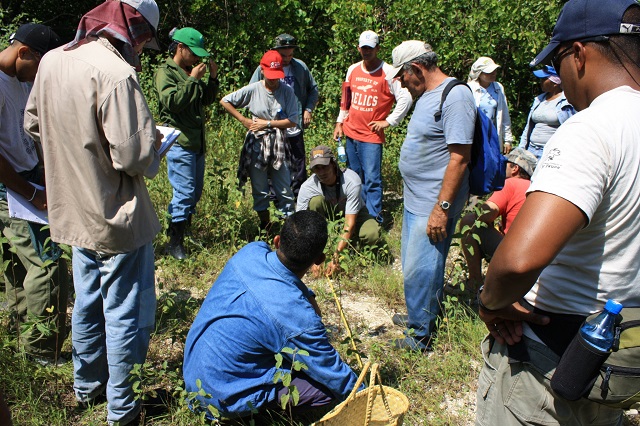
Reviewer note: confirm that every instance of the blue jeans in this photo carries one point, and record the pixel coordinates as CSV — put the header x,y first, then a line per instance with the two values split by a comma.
x,y
186,175
423,263
112,321
281,182
365,159
536,150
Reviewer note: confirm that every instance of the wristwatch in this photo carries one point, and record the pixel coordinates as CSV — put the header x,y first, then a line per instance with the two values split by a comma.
x,y
268,124
444,205
480,304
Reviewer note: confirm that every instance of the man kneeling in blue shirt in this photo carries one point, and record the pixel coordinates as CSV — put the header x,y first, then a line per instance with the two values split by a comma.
x,y
257,307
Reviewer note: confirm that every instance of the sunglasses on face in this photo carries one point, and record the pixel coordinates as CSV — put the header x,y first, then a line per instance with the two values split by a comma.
x,y
557,58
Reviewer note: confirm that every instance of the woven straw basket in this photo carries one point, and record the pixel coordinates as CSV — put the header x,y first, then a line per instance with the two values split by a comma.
x,y
377,405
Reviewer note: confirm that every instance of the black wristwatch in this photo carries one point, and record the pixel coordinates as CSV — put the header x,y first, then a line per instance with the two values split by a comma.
x,y
444,205
481,305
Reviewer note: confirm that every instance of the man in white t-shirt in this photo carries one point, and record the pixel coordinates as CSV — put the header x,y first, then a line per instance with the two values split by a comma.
x,y
334,193
576,240
36,278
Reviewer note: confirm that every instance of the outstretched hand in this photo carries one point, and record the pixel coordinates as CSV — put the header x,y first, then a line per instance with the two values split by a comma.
x,y
505,325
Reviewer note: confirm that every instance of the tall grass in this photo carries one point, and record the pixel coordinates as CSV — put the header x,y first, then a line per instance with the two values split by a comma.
x,y
440,386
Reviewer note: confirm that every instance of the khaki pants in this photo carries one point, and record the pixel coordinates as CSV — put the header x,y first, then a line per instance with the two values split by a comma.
x,y
512,392
35,292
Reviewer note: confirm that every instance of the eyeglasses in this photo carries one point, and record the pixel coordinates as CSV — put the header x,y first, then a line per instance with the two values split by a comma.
x,y
557,58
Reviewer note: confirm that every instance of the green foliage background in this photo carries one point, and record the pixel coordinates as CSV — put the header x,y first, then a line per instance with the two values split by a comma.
x,y
239,31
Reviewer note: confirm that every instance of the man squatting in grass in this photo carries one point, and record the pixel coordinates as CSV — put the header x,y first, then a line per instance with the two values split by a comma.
x,y
335,193
433,163
298,77
35,285
257,307
99,142
505,204
576,240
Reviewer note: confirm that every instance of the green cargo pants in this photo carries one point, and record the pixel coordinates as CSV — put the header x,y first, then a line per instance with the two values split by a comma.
x,y
37,291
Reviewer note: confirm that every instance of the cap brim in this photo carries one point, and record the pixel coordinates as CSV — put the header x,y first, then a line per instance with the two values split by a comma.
x,y
272,74
368,45
153,44
395,71
541,74
200,52
490,68
289,46
544,57
320,161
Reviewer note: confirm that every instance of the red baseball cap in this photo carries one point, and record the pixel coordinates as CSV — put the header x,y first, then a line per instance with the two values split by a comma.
x,y
271,64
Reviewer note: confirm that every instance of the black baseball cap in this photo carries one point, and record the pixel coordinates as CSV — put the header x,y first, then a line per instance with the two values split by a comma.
x,y
285,41
582,19
38,37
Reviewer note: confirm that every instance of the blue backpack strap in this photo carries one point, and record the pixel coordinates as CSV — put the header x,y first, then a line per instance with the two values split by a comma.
x,y
450,85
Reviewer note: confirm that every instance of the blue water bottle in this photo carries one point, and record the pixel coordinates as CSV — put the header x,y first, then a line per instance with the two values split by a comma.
x,y
581,362
599,332
342,155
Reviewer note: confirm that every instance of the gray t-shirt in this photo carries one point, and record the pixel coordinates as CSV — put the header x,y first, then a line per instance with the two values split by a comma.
x,y
349,200
546,122
424,155
276,105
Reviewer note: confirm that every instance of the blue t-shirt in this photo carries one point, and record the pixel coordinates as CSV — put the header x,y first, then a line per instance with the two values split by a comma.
x,y
256,308
424,155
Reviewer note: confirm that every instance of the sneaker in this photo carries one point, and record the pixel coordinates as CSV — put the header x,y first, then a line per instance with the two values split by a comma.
x,y
400,319
411,344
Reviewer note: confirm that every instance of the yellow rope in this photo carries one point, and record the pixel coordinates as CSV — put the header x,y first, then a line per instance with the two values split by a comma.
x,y
345,322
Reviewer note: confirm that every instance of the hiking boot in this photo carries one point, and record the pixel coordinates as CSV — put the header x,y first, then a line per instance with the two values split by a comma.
x,y
411,344
176,238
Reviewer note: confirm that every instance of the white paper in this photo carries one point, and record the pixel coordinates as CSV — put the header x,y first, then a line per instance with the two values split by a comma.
x,y
169,137
21,208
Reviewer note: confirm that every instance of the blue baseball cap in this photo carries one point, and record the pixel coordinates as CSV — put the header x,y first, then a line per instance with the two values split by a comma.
x,y
546,72
581,19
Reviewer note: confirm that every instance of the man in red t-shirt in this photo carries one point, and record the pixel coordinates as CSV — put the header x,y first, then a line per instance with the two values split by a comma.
x,y
366,113
505,203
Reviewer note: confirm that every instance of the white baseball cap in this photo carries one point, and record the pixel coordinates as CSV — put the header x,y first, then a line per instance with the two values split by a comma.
x,y
483,64
406,52
368,38
148,9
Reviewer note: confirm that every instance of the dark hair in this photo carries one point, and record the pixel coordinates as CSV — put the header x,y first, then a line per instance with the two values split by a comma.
x,y
173,47
303,239
624,48
429,60
521,172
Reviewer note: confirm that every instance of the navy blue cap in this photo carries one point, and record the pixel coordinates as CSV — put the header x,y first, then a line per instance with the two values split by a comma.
x,y
545,72
580,19
38,37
